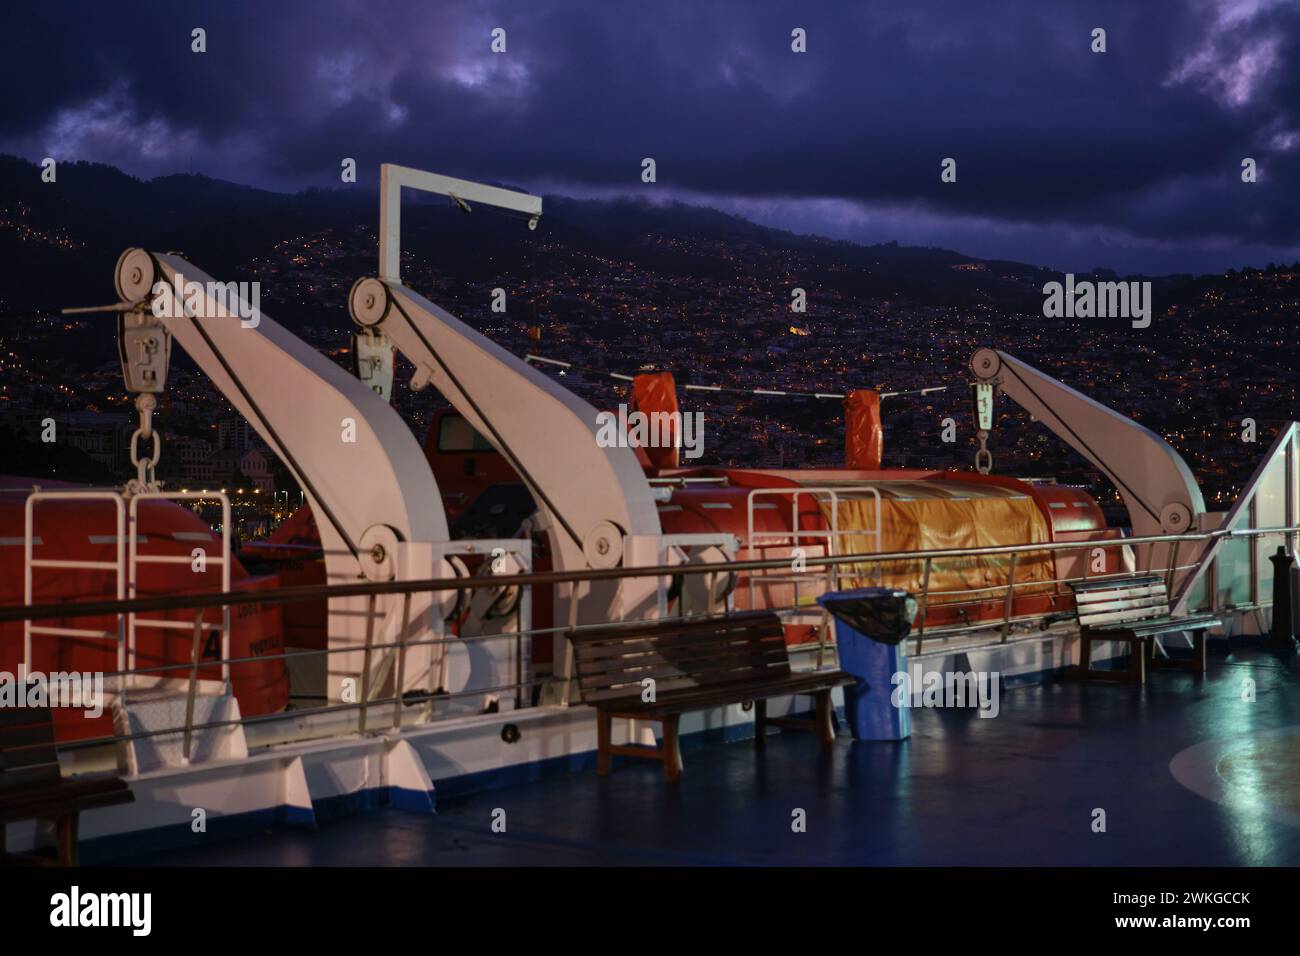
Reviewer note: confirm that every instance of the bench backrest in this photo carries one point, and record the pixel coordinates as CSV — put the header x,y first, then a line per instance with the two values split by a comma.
x,y
679,655
27,754
1116,603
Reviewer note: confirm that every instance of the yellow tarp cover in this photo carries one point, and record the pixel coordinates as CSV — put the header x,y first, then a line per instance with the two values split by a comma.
x,y
929,524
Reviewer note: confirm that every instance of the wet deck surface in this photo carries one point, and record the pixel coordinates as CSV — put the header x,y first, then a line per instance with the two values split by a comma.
x,y
1018,789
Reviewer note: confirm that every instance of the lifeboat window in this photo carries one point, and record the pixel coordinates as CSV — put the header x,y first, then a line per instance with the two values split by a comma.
x,y
456,434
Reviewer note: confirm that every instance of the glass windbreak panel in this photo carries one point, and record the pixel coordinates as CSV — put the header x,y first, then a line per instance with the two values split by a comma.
x,y
1234,576
1199,598
1265,547
1295,478
1270,496
1269,508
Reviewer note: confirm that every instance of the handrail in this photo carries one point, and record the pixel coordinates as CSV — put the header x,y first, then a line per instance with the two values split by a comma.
x,y
292,595
398,702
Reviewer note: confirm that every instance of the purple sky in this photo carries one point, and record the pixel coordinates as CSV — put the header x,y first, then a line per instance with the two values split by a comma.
x,y
1129,159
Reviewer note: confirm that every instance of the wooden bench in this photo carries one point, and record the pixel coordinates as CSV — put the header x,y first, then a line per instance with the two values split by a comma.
x,y
33,788
1135,610
695,665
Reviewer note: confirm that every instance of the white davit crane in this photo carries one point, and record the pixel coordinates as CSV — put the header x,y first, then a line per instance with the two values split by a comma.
x,y
595,501
371,491
1158,489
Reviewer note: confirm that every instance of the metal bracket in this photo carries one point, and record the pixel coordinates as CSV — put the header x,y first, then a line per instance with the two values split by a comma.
x,y
391,180
372,360
145,346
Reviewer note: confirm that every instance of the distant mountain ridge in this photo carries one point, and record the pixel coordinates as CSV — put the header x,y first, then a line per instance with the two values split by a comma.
x,y
60,241
70,232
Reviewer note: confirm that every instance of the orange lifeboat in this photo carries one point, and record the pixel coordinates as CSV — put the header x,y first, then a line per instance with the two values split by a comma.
x,y
85,531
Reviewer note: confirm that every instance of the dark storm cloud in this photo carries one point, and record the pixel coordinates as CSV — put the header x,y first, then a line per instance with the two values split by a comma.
x,y
1061,152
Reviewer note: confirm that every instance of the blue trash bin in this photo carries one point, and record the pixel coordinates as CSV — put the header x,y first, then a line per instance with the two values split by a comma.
x,y
871,625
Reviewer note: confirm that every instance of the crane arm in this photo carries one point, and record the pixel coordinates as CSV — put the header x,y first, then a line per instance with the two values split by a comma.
x,y
593,496
595,499
349,451
373,495
1158,489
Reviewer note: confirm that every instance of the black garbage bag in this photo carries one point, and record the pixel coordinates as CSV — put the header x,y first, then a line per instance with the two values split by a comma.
x,y
882,614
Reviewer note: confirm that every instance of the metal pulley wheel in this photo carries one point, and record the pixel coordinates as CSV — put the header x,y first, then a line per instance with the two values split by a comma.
x,y
135,275
506,598
368,302
603,545
453,601
378,553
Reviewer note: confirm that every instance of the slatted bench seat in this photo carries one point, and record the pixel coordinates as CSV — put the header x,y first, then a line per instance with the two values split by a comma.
x,y
695,665
32,787
1135,610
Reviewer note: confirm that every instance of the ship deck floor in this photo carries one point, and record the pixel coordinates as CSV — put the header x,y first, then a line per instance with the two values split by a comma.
x,y
1017,789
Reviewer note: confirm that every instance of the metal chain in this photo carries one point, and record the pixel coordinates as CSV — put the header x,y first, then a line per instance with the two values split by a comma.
x,y
145,479
983,457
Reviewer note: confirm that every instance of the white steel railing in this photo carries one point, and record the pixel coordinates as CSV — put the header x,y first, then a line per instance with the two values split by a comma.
x,y
797,537
528,580
674,548
517,608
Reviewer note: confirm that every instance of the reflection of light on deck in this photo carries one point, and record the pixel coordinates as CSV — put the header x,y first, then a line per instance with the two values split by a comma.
x,y
1263,772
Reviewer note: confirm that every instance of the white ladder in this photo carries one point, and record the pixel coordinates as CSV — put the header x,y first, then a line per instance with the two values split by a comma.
x,y
31,563
135,559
